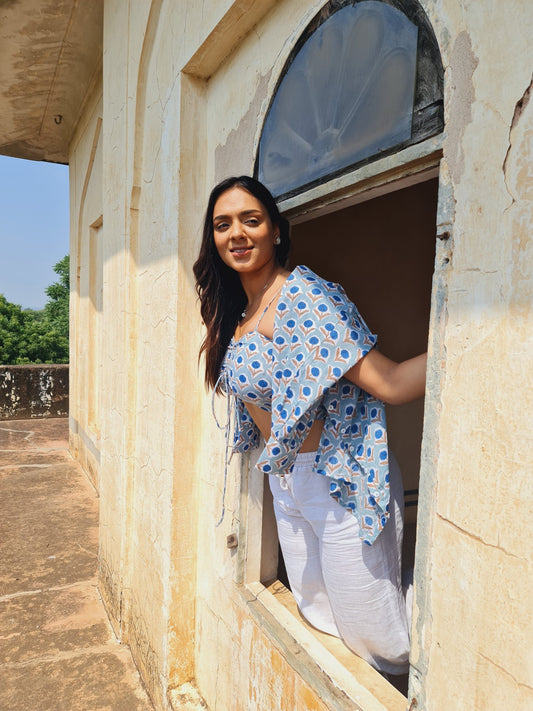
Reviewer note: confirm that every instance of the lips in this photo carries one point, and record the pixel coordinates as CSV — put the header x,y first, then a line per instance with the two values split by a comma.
x,y
240,251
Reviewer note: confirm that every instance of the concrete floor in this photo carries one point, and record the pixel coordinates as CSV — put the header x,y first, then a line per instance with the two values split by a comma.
x,y
57,648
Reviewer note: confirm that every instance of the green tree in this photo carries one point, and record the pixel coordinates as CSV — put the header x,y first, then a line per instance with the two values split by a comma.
x,y
37,336
56,315
15,331
56,309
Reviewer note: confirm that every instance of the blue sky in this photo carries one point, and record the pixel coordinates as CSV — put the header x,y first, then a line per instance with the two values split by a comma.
x,y
34,228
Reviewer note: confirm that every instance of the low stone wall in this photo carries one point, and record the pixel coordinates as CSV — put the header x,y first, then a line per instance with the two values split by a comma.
x,y
28,391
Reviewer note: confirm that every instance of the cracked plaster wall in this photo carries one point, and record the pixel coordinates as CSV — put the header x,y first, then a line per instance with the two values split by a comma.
x,y
150,434
473,643
166,574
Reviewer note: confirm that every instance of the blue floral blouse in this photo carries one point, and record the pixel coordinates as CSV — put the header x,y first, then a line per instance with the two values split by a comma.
x,y
318,336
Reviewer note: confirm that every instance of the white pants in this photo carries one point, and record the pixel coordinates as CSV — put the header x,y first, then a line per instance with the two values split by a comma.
x,y
341,585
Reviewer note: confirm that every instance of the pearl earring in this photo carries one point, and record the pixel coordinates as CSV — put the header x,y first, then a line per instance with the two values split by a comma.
x,y
277,240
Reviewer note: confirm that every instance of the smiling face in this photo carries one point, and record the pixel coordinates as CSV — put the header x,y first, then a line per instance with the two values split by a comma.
x,y
243,232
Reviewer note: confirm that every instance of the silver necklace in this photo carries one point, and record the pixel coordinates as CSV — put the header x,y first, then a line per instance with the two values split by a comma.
x,y
266,286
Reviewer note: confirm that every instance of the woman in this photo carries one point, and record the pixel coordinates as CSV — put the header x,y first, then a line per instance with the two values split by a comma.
x,y
303,371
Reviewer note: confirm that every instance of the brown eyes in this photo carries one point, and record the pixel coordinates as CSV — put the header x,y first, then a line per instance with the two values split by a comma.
x,y
221,226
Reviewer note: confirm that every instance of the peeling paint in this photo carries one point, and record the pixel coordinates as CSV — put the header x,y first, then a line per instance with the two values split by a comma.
x,y
186,698
520,108
463,63
233,158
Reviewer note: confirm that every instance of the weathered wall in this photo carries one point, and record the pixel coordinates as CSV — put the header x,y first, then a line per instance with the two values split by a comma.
x,y
86,236
159,449
472,645
185,88
28,391
147,550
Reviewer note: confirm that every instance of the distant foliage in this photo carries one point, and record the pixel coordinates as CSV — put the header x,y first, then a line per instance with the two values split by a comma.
x,y
28,336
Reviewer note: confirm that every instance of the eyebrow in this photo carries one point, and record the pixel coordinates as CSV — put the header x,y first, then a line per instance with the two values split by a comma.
x,y
244,213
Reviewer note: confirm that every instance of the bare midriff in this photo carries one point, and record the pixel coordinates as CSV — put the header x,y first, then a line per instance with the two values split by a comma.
x,y
263,421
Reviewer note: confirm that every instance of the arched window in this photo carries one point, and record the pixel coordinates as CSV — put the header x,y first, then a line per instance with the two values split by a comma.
x,y
364,80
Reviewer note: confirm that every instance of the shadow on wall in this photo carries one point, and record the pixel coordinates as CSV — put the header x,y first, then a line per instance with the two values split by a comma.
x,y
33,391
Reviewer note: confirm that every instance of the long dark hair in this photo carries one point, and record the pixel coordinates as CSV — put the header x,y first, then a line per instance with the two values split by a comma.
x,y
222,298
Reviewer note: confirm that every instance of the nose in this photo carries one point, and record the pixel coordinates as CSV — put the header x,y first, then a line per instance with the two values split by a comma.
x,y
237,229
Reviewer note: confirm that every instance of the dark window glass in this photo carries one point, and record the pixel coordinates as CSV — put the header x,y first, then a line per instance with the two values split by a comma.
x,y
349,94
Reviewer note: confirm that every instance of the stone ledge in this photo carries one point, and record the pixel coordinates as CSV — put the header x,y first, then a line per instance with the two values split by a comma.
x,y
31,391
